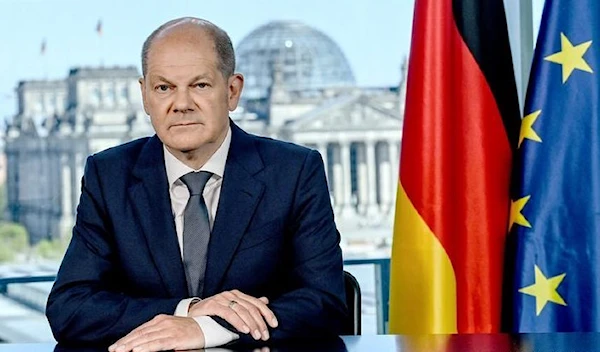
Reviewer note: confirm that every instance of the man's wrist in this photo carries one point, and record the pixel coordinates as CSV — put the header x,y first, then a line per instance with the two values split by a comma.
x,y
183,307
192,303
214,334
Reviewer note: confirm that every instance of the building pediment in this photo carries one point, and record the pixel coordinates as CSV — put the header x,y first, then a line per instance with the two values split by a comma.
x,y
349,113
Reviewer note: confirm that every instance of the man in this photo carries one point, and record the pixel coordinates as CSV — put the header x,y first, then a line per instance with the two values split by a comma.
x,y
202,234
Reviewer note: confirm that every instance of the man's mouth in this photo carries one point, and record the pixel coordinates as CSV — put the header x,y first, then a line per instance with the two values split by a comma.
x,y
183,124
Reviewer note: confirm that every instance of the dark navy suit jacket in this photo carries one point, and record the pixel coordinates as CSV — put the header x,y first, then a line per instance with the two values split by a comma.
x,y
274,235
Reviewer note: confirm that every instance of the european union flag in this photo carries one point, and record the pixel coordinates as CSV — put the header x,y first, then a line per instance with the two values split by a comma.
x,y
553,258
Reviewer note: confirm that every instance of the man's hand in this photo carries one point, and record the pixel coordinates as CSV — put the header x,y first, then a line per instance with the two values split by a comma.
x,y
245,313
164,332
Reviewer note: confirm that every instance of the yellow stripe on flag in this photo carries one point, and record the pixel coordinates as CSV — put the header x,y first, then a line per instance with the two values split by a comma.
x,y
423,284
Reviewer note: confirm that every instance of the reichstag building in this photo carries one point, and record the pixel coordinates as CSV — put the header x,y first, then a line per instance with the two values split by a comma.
x,y
299,87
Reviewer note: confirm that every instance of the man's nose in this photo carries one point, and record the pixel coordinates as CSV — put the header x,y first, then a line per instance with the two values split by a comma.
x,y
183,101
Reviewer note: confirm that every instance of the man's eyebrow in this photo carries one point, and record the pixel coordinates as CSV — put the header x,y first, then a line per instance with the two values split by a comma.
x,y
161,78
200,77
194,79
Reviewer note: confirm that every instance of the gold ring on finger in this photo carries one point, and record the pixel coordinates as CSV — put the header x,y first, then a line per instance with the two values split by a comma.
x,y
232,303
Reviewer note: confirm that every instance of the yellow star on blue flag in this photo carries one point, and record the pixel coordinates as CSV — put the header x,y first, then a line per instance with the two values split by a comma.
x,y
570,57
544,290
527,131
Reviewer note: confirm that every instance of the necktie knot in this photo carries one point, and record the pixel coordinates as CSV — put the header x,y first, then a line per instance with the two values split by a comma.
x,y
195,181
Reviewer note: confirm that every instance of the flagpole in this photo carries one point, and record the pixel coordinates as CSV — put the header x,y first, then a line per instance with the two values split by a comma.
x,y
100,46
45,67
520,29
44,59
526,43
101,54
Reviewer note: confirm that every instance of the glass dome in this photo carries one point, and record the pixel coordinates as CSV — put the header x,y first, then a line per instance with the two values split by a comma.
x,y
301,57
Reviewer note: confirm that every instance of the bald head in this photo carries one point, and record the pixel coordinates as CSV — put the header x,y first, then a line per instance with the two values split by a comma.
x,y
188,26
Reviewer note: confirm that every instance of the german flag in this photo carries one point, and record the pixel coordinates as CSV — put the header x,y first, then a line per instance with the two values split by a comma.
x,y
461,128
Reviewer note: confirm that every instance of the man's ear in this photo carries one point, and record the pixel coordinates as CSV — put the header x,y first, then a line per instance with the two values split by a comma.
x,y
235,85
143,90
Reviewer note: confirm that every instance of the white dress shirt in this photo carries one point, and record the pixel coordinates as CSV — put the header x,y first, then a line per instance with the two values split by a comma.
x,y
214,334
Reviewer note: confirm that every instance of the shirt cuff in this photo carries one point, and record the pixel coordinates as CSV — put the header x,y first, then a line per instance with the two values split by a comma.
x,y
184,306
214,334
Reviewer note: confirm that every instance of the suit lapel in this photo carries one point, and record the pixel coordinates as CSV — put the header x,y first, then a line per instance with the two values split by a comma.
x,y
149,195
240,194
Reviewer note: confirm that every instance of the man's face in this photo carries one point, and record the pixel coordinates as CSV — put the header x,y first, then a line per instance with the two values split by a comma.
x,y
185,93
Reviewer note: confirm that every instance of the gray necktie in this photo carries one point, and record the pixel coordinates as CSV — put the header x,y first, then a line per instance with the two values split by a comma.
x,y
196,231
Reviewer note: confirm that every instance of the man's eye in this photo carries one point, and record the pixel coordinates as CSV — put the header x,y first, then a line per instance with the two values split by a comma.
x,y
162,88
202,85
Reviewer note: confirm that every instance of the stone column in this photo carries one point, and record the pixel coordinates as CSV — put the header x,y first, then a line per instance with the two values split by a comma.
x,y
338,178
323,150
76,164
363,178
394,163
66,187
385,178
347,189
372,208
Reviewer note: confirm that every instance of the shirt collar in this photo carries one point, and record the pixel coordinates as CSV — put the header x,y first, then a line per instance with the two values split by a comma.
x,y
215,164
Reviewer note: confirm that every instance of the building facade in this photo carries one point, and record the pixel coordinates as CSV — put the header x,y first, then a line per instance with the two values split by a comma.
x,y
298,87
